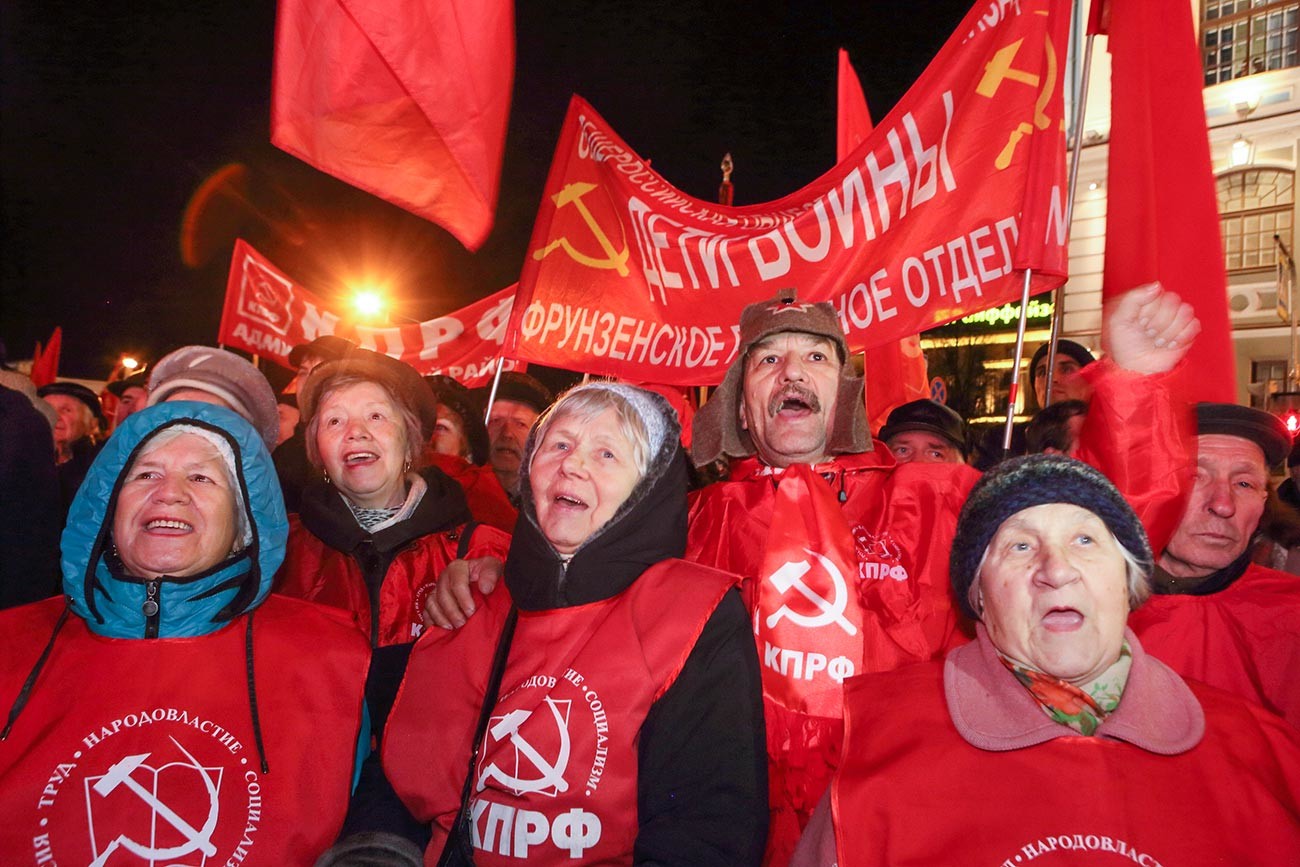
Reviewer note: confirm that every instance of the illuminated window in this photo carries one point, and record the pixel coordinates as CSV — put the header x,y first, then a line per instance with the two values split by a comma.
x,y
1243,37
1255,205
1267,378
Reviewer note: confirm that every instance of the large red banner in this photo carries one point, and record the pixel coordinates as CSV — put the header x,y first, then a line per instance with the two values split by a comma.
x,y
268,314
933,217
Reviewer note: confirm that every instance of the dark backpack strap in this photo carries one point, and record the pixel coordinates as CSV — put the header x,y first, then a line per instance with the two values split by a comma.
x,y
466,533
459,846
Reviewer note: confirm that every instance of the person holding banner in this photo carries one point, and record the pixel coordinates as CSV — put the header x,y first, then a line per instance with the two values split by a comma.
x,y
376,530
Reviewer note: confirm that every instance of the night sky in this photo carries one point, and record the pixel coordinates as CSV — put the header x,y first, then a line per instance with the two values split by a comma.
x,y
113,115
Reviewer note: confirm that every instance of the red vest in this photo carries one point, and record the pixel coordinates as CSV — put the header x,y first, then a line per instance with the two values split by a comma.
x,y
484,495
1245,638
556,776
316,572
912,791
141,752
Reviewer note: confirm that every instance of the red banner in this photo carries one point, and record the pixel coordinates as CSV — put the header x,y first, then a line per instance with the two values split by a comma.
x,y
933,217
268,314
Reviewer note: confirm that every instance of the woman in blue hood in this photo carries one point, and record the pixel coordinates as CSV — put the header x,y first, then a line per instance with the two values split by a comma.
x,y
147,706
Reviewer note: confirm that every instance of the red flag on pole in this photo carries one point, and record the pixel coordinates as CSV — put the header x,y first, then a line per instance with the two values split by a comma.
x,y
45,362
1162,215
897,370
406,100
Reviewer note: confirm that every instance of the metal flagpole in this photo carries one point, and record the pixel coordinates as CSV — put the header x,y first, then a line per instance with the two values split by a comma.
x,y
1058,302
496,380
1015,367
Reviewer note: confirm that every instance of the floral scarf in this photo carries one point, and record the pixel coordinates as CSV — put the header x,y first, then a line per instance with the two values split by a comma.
x,y
1081,708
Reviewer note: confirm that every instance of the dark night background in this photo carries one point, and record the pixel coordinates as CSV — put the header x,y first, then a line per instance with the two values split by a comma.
x,y
114,114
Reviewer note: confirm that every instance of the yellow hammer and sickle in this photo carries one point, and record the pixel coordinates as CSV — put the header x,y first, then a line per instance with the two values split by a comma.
x,y
572,195
999,69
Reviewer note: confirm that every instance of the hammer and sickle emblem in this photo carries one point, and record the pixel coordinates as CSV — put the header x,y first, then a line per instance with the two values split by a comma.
x,y
195,839
551,775
999,69
614,259
790,577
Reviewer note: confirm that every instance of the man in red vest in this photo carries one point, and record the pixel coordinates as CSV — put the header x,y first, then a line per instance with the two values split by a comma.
x,y
1215,615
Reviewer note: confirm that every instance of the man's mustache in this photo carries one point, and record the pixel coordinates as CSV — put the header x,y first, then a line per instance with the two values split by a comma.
x,y
793,392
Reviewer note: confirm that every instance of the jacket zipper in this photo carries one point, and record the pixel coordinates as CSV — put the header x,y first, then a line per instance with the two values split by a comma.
x,y
151,608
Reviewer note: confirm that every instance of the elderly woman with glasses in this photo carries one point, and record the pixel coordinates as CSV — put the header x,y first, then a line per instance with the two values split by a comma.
x,y
1054,735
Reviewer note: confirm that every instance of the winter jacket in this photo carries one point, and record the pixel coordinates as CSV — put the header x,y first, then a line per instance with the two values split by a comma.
x,y
1178,773
693,757
159,705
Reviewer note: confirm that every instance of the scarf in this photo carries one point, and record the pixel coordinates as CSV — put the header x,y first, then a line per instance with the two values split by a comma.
x,y
1081,708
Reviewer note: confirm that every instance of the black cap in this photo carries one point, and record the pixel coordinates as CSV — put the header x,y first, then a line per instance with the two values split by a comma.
x,y
139,379
328,347
521,388
458,399
1077,351
1262,428
81,393
929,416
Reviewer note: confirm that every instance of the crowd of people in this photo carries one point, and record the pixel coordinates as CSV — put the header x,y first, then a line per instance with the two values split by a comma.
x,y
385,619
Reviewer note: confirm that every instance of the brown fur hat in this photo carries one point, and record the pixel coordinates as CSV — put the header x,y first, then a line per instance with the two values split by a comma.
x,y
716,430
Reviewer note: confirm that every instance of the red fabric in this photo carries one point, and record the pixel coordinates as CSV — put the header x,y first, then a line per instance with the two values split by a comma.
x,y
933,217
314,571
912,791
45,362
583,679
488,503
1245,639
267,313
406,100
852,118
1162,217
101,701
680,400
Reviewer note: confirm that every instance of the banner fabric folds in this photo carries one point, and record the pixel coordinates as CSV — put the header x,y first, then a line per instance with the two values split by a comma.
x,y
405,100
268,314
930,219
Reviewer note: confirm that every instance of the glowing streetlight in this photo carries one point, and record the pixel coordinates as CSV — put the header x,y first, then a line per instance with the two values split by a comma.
x,y
368,302
129,363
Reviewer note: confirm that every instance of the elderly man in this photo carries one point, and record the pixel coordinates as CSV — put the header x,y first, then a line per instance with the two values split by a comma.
x,y
925,431
1216,616
520,400
844,550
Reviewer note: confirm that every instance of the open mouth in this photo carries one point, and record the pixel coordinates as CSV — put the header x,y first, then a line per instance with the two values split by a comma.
x,y
569,501
356,458
794,401
168,524
1063,619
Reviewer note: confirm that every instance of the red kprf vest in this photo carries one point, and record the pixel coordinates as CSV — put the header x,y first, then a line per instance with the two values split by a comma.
x,y
556,776
912,791
142,752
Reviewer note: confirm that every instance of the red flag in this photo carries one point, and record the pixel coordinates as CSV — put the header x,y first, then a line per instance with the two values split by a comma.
x,y
896,370
406,100
1162,218
933,217
853,120
45,362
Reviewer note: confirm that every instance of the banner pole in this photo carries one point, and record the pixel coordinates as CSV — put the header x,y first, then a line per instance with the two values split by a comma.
x,y
1058,300
1015,367
496,380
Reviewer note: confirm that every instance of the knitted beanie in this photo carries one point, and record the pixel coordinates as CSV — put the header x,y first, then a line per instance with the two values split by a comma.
x,y
1022,483
224,375
716,428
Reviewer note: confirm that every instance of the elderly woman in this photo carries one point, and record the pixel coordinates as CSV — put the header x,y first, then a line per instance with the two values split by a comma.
x,y
148,705
621,721
459,447
1053,729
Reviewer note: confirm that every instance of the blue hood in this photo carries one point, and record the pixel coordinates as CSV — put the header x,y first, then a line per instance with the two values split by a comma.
x,y
110,602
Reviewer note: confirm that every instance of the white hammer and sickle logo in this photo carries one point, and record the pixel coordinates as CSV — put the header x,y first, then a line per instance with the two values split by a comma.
x,y
552,775
195,839
790,577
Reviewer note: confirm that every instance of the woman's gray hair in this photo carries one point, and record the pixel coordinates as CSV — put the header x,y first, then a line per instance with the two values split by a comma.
x,y
410,421
221,446
639,420
1137,577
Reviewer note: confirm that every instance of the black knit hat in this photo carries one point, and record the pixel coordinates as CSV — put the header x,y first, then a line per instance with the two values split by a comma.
x,y
1077,351
1022,483
928,416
